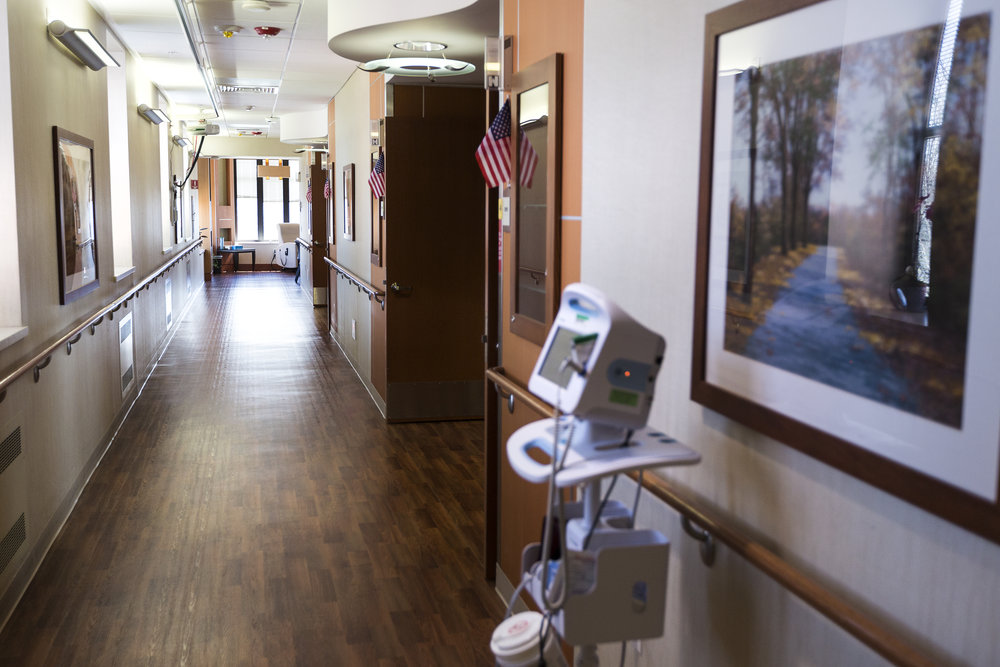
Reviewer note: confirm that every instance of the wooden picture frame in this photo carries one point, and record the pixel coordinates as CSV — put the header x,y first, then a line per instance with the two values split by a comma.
x,y
377,218
349,201
536,197
76,219
826,314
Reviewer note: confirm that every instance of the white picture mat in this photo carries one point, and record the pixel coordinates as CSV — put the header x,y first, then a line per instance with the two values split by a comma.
x,y
967,458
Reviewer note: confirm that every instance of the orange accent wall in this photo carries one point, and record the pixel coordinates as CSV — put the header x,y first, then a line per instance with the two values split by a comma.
x,y
546,27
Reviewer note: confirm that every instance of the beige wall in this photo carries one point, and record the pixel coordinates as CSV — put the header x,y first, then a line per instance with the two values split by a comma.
x,y
352,146
937,584
67,417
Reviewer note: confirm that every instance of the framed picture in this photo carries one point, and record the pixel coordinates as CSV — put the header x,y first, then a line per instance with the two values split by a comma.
x,y
76,228
331,206
349,201
845,301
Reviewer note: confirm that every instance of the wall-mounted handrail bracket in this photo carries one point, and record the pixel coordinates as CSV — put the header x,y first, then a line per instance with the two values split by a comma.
x,y
71,342
95,324
707,547
40,365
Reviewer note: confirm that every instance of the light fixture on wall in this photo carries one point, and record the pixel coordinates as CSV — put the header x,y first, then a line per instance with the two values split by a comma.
x,y
183,142
82,43
427,66
155,116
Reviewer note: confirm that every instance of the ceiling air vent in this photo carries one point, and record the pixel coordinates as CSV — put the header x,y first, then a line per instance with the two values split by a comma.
x,y
253,90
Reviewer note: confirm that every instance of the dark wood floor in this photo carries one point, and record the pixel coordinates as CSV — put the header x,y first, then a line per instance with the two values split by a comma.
x,y
255,509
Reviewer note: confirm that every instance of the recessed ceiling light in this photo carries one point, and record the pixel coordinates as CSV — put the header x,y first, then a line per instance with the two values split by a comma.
x,y
416,45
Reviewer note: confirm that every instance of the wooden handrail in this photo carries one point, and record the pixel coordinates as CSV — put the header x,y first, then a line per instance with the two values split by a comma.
x,y
42,358
362,284
855,622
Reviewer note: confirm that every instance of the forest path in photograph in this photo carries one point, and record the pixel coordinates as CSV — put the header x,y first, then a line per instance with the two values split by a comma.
x,y
811,331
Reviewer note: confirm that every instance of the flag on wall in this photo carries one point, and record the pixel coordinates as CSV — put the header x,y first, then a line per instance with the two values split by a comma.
x,y
528,161
377,180
493,154
309,192
326,189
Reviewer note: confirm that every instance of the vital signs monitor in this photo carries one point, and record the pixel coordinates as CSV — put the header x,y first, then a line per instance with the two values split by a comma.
x,y
598,363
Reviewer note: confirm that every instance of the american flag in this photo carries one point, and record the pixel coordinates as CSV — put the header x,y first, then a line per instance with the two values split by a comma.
x,y
309,192
528,161
326,188
377,180
493,154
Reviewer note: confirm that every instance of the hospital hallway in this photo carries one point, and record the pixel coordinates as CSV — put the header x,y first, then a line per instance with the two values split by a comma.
x,y
255,509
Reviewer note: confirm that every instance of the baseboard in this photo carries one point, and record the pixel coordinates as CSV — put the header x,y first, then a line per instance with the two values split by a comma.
x,y
369,387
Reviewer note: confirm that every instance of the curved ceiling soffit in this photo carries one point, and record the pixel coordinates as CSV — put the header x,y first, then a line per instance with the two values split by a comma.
x,y
461,30
348,15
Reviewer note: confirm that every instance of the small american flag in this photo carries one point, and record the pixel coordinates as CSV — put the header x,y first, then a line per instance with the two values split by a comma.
x,y
309,192
528,161
326,189
493,154
377,180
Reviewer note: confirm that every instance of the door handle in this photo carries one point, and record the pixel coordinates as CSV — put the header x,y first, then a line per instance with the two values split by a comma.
x,y
400,290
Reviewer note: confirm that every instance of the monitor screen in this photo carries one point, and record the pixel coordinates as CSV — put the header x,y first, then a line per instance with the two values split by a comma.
x,y
562,342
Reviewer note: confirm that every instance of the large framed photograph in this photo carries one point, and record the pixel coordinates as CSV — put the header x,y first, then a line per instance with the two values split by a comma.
x,y
845,298
76,228
349,201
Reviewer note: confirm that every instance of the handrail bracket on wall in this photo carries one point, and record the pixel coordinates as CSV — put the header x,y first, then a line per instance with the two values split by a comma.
x,y
707,547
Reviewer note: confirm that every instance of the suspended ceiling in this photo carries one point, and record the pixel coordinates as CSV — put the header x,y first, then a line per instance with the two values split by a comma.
x,y
257,80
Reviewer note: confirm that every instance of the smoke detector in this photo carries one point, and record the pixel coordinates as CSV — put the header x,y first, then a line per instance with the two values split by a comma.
x,y
228,31
266,31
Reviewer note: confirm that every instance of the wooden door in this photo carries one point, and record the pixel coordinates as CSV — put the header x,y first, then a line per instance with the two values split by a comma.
x,y
434,267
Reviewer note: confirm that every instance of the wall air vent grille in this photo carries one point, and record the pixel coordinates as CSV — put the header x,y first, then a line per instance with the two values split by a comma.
x,y
252,90
10,449
11,542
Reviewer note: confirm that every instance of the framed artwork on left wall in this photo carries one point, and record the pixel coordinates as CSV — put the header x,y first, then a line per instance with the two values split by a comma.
x,y
76,227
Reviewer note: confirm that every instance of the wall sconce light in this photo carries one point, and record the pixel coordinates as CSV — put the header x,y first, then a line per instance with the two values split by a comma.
x,y
82,43
183,142
155,116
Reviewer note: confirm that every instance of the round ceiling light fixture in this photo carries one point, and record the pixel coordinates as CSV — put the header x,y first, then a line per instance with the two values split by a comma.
x,y
416,66
256,6
423,46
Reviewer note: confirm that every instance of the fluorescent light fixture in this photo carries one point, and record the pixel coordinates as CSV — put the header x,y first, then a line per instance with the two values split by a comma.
x,y
82,43
155,116
183,142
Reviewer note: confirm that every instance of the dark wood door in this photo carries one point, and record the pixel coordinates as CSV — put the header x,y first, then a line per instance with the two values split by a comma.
x,y
434,267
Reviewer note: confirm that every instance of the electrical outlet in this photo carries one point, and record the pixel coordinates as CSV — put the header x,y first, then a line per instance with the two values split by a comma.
x,y
354,329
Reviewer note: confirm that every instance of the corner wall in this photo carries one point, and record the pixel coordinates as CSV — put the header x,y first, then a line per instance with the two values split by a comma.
x,y
934,583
